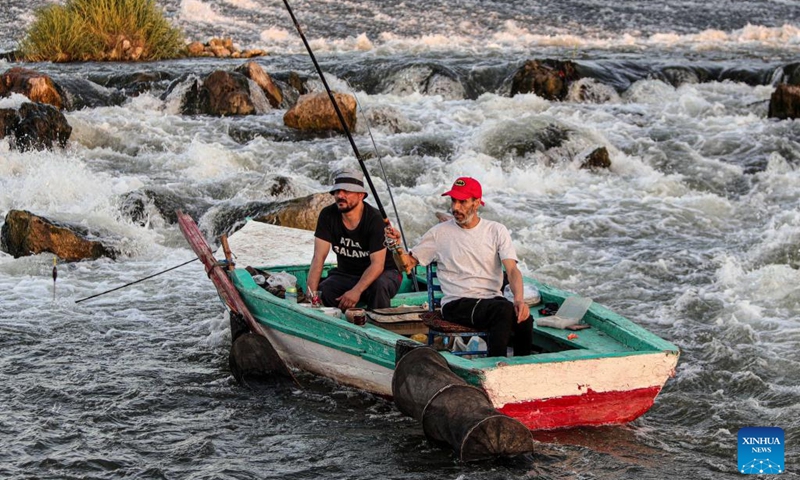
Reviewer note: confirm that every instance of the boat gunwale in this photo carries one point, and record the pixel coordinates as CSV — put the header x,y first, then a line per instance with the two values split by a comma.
x,y
387,339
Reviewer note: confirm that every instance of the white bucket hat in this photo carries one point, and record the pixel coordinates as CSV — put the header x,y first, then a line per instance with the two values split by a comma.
x,y
349,180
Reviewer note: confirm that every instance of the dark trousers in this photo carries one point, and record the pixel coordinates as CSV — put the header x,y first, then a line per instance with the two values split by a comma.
x,y
377,295
496,316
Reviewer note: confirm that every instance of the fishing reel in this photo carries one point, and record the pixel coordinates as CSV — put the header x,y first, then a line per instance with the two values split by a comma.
x,y
392,245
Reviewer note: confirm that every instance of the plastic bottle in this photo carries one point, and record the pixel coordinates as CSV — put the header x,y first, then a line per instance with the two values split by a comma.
x,y
291,295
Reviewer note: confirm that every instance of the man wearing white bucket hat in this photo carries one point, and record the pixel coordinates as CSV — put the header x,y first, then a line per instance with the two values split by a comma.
x,y
354,230
471,253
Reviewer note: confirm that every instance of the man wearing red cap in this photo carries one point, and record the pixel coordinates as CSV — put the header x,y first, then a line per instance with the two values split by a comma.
x,y
470,253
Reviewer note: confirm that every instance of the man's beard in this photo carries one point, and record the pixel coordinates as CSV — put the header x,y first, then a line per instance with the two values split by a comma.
x,y
346,208
466,220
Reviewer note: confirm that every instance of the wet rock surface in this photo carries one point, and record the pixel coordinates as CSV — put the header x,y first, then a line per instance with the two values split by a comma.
x,y
25,233
34,126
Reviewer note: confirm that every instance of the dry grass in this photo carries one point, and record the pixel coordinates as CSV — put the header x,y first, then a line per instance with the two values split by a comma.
x,y
102,30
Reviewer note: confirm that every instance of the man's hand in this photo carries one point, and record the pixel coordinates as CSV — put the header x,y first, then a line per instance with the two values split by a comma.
x,y
392,234
523,312
404,261
348,299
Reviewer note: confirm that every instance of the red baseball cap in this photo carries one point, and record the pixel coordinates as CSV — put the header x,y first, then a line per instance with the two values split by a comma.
x,y
465,188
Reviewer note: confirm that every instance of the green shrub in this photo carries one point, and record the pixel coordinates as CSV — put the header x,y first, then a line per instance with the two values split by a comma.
x,y
111,30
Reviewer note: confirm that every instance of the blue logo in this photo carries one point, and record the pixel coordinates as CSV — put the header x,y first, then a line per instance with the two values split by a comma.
x,y
761,450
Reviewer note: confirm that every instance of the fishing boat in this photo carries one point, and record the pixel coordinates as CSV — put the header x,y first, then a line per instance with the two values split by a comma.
x,y
607,373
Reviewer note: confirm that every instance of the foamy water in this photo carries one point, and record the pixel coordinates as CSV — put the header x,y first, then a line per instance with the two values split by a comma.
x,y
694,232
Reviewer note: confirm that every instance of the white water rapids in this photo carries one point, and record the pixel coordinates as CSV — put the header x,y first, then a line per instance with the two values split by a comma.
x,y
694,233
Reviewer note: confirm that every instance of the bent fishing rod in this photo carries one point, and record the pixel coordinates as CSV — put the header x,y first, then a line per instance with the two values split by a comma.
x,y
395,248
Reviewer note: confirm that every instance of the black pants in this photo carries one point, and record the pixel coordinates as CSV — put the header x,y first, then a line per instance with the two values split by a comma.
x,y
377,295
496,316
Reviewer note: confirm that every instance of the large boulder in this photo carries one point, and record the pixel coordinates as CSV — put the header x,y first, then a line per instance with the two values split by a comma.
x,y
785,102
221,93
26,234
314,112
549,79
254,72
296,213
34,126
34,85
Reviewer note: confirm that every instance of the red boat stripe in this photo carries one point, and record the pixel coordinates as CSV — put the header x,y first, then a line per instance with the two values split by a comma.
x,y
591,408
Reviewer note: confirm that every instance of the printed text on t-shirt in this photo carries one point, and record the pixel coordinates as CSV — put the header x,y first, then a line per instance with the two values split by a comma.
x,y
349,248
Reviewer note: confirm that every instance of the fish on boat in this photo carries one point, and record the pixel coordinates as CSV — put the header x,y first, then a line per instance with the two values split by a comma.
x,y
609,372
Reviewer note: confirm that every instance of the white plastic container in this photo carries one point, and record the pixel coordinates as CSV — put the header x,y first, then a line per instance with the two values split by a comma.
x,y
570,313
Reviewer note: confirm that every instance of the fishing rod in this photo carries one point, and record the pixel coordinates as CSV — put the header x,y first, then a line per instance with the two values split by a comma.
x,y
338,114
396,249
383,172
132,283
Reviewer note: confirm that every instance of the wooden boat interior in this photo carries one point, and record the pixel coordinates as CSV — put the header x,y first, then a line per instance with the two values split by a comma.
x,y
606,333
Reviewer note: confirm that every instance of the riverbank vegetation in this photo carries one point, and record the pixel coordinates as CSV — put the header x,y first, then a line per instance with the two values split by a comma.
x,y
102,30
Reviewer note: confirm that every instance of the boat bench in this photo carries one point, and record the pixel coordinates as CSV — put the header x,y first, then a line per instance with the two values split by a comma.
x,y
587,339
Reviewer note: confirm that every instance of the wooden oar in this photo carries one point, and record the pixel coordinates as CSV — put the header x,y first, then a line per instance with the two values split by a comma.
x,y
225,287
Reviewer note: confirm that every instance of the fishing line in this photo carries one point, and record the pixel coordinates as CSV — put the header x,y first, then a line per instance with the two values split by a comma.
x,y
383,174
380,163
134,282
391,244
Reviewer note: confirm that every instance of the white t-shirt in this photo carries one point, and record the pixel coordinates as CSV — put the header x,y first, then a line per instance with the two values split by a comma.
x,y
469,259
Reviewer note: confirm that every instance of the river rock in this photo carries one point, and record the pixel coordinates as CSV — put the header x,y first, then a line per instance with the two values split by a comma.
x,y
80,93
221,93
428,79
139,204
548,79
297,82
254,72
195,49
299,212
36,86
792,73
315,112
132,84
25,233
221,47
589,90
597,159
34,126
785,102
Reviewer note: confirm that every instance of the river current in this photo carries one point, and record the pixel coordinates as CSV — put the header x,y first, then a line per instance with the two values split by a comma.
x,y
694,233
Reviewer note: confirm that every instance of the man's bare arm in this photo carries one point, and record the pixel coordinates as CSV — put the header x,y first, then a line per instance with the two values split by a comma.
x,y
405,261
375,269
518,289
321,249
